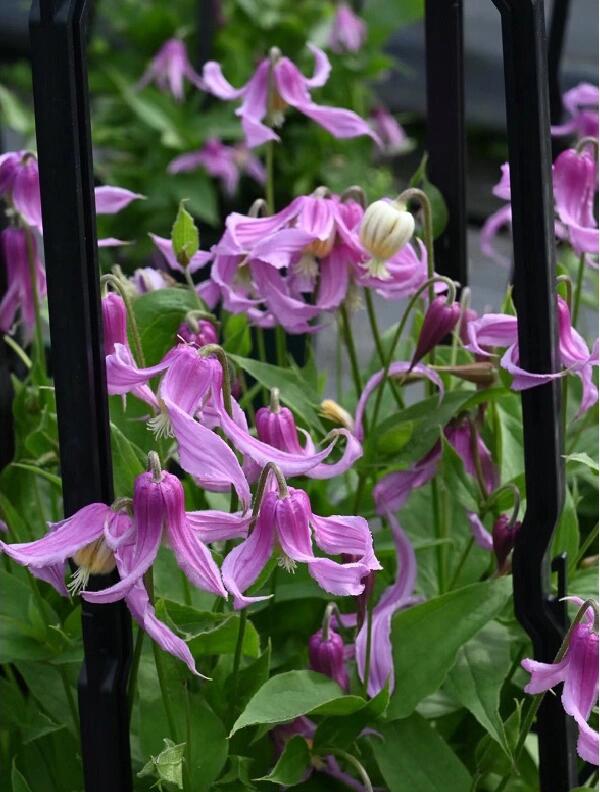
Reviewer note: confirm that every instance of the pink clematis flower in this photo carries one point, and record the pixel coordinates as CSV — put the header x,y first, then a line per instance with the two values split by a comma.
x,y
169,68
500,330
348,31
289,87
393,137
206,289
204,333
286,520
98,538
440,320
575,180
225,163
19,296
581,104
578,670
147,279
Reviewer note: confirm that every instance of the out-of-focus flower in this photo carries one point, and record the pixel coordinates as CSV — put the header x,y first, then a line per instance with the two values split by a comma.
x,y
19,296
169,68
578,671
348,31
575,180
384,230
203,333
206,289
581,104
286,521
276,84
504,534
225,163
392,135
20,185
147,279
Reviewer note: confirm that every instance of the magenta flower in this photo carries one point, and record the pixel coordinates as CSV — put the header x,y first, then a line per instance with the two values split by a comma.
x,y
289,87
440,320
19,296
326,655
581,104
169,68
348,31
578,671
204,334
206,289
225,163
20,185
393,137
504,534
286,521
575,180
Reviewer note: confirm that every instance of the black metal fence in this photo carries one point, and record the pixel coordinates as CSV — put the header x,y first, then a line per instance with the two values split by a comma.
x,y
58,55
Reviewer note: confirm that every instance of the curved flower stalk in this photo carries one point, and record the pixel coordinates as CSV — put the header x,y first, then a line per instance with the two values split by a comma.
x,y
100,538
276,84
226,163
285,522
578,671
348,31
169,68
17,245
581,104
500,330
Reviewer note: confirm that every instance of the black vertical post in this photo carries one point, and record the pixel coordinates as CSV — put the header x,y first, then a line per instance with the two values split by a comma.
x,y
208,18
446,129
556,43
66,179
528,121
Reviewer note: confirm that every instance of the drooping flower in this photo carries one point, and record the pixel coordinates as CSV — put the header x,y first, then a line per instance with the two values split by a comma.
x,y
278,76
348,31
504,534
200,334
20,185
581,104
393,137
326,653
439,321
169,67
286,522
147,279
384,231
578,671
19,296
575,180
225,163
500,330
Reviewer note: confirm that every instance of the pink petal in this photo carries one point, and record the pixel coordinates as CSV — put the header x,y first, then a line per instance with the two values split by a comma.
x,y
482,537
216,84
345,534
322,68
194,558
490,230
544,676
110,200
217,526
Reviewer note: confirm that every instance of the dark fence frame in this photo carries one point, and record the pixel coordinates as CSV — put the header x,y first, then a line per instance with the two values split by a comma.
x,y
66,176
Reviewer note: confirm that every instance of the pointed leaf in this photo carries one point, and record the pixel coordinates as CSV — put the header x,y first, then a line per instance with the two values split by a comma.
x,y
292,765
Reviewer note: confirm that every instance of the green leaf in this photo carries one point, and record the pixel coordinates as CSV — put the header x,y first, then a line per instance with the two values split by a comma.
x,y
54,480
158,315
341,731
292,764
412,756
457,481
236,335
128,462
566,536
438,205
295,392
168,765
184,236
13,113
583,459
287,696
477,677
427,637
207,632
19,784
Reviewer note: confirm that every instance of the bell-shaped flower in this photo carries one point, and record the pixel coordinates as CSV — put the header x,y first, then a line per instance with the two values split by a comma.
x,y
19,296
326,655
396,597
578,671
20,185
200,335
285,523
168,69
159,512
575,181
226,163
440,320
348,31
385,229
581,104
288,86
504,534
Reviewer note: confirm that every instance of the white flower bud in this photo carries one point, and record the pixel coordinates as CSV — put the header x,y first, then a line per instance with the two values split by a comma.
x,y
384,230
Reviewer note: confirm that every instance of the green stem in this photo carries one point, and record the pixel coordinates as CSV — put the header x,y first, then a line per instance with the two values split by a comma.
x,y
439,534
135,665
414,193
69,696
39,336
368,648
588,542
357,766
378,342
578,290
351,349
18,350
534,705
192,286
461,563
160,669
187,760
237,658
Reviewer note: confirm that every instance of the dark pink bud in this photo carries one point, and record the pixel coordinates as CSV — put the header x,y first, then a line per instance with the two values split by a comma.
x,y
114,318
206,333
440,320
277,427
326,655
503,538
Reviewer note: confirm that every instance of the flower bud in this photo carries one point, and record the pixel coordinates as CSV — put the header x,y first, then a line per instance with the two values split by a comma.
x,y
439,320
503,539
326,655
114,318
205,334
276,426
384,230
